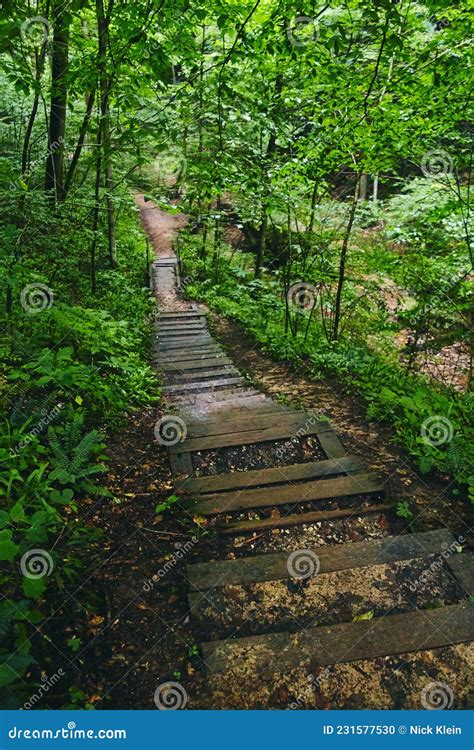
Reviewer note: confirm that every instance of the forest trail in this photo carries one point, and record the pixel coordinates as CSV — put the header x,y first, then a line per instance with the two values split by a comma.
x,y
325,625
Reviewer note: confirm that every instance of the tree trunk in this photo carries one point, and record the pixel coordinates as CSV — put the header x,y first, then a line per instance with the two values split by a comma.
x,y
57,119
104,85
342,265
375,191
314,198
80,143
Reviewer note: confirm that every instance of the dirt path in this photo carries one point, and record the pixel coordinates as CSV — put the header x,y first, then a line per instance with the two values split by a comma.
x,y
250,619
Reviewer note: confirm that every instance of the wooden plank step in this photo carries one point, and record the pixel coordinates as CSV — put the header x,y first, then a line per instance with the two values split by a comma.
x,y
346,642
178,315
196,343
254,420
462,567
295,519
185,355
205,385
274,567
278,475
289,494
179,330
191,376
172,335
222,400
198,364
285,431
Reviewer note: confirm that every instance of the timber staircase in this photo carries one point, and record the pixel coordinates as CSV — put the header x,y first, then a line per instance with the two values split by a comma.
x,y
237,621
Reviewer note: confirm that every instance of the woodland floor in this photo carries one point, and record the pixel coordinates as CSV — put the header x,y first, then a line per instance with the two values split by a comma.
x,y
140,638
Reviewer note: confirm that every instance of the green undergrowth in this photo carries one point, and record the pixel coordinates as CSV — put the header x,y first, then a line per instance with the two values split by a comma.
x,y
73,364
433,423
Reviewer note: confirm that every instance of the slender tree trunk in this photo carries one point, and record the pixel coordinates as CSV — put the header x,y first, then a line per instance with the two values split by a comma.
x,y
314,198
80,143
266,189
95,213
104,85
375,190
57,119
342,265
362,187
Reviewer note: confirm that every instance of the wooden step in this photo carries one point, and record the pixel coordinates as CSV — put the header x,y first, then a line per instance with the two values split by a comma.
x,y
181,314
186,355
192,376
297,519
291,420
278,475
462,568
205,385
346,642
254,434
198,364
189,344
273,567
289,494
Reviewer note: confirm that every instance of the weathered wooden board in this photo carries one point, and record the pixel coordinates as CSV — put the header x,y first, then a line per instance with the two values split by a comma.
x,y
181,464
255,434
462,567
346,642
277,475
322,489
204,385
193,376
274,567
290,420
295,519
197,364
